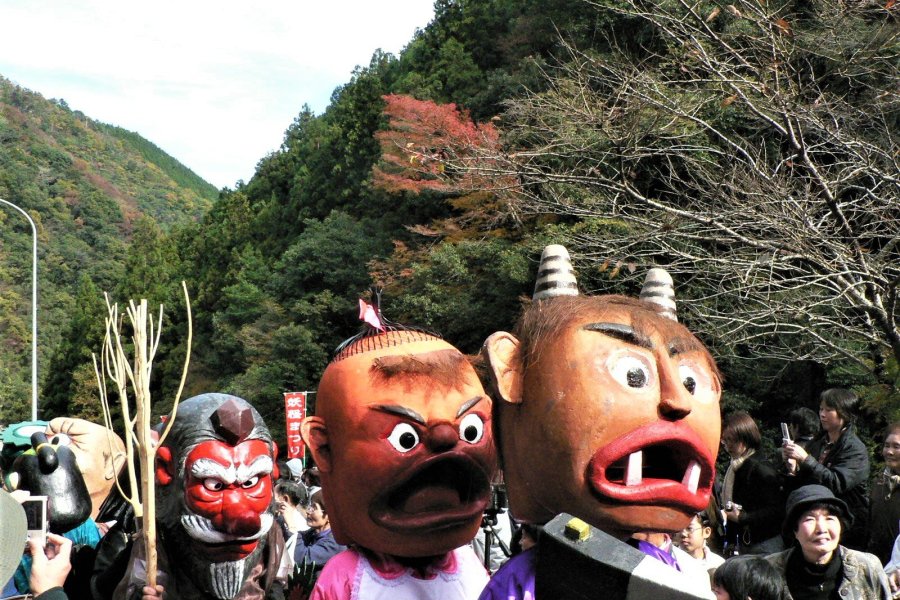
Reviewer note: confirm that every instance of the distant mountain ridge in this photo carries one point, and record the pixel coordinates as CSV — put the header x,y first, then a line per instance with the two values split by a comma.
x,y
86,184
115,160
153,154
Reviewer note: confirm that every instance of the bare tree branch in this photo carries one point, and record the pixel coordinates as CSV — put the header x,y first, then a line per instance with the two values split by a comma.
x,y
751,150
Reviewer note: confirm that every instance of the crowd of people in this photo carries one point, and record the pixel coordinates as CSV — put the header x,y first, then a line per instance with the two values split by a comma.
x,y
814,514
807,526
811,524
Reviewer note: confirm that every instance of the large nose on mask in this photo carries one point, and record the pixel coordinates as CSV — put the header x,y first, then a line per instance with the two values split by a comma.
x,y
236,518
46,453
441,437
675,403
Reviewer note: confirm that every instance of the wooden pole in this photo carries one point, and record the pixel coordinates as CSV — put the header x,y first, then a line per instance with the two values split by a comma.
x,y
139,430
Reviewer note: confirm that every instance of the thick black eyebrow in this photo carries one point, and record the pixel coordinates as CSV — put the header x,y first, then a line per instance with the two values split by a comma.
x,y
467,405
626,333
400,411
682,345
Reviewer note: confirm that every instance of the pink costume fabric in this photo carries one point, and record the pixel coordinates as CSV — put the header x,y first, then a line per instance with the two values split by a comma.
x,y
352,576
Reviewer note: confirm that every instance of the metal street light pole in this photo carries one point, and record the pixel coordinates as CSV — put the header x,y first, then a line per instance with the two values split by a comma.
x,y
34,292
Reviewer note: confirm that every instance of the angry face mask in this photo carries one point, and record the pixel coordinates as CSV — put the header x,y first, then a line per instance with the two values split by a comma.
x,y
403,439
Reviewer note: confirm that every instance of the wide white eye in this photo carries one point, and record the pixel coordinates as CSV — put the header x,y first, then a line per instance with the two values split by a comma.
x,y
213,484
630,371
250,482
689,377
471,428
698,380
404,437
61,439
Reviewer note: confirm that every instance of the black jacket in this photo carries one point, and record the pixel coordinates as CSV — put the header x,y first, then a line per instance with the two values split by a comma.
x,y
846,473
757,490
884,514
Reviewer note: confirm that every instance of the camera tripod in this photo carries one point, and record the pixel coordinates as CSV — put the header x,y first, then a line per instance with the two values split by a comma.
x,y
488,523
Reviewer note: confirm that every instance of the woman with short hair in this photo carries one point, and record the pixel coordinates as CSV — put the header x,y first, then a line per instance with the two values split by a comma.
x,y
316,545
836,459
817,566
751,493
306,552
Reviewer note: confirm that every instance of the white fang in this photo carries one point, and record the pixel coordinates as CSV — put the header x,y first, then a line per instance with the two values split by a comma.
x,y
692,477
634,472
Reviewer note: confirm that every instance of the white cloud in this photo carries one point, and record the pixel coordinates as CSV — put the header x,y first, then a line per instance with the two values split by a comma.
x,y
215,84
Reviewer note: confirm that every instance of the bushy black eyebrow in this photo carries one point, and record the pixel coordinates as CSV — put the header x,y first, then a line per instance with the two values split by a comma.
x,y
626,333
684,344
467,405
400,411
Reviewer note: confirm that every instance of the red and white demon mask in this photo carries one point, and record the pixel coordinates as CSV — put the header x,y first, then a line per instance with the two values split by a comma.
x,y
215,474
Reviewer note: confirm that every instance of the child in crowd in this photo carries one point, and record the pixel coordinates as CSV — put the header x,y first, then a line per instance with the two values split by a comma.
x,y
693,539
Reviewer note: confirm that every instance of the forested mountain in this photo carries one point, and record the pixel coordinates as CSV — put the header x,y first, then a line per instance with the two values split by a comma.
x,y
91,189
441,173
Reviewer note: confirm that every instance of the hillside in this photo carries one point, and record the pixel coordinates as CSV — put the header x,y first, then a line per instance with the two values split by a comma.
x,y
87,185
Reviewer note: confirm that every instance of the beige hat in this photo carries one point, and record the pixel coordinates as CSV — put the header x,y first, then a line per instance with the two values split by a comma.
x,y
13,529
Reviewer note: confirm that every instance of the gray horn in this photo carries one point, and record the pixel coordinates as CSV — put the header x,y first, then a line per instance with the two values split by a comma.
x,y
555,277
659,290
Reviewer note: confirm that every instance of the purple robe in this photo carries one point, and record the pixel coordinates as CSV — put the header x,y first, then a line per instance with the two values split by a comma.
x,y
514,580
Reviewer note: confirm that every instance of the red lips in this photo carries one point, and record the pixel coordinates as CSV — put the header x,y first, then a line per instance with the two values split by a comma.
x,y
673,455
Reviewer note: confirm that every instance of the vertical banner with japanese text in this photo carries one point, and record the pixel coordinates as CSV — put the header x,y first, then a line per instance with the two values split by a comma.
x,y
294,411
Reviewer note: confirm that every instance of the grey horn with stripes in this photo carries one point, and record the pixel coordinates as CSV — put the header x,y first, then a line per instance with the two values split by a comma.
x,y
555,277
660,290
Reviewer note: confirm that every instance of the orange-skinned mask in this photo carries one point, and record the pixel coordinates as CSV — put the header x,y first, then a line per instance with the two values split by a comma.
x,y
613,416
403,440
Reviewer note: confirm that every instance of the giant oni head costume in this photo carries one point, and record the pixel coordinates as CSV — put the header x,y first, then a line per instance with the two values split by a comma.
x,y
215,475
609,408
403,441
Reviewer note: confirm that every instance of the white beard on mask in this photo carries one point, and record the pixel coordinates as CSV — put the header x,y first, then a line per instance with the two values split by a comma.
x,y
225,579
222,580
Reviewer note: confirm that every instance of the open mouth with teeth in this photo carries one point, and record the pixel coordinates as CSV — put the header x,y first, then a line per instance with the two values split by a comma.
x,y
659,464
441,493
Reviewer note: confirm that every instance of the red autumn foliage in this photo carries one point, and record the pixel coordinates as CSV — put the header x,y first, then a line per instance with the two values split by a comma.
x,y
430,146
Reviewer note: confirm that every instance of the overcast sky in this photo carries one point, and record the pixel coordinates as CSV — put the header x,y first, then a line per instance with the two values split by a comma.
x,y
213,83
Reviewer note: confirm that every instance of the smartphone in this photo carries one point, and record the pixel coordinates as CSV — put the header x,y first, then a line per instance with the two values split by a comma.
x,y
36,516
785,433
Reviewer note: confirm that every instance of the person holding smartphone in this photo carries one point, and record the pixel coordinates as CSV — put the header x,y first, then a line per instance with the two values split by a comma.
x,y
50,563
837,459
